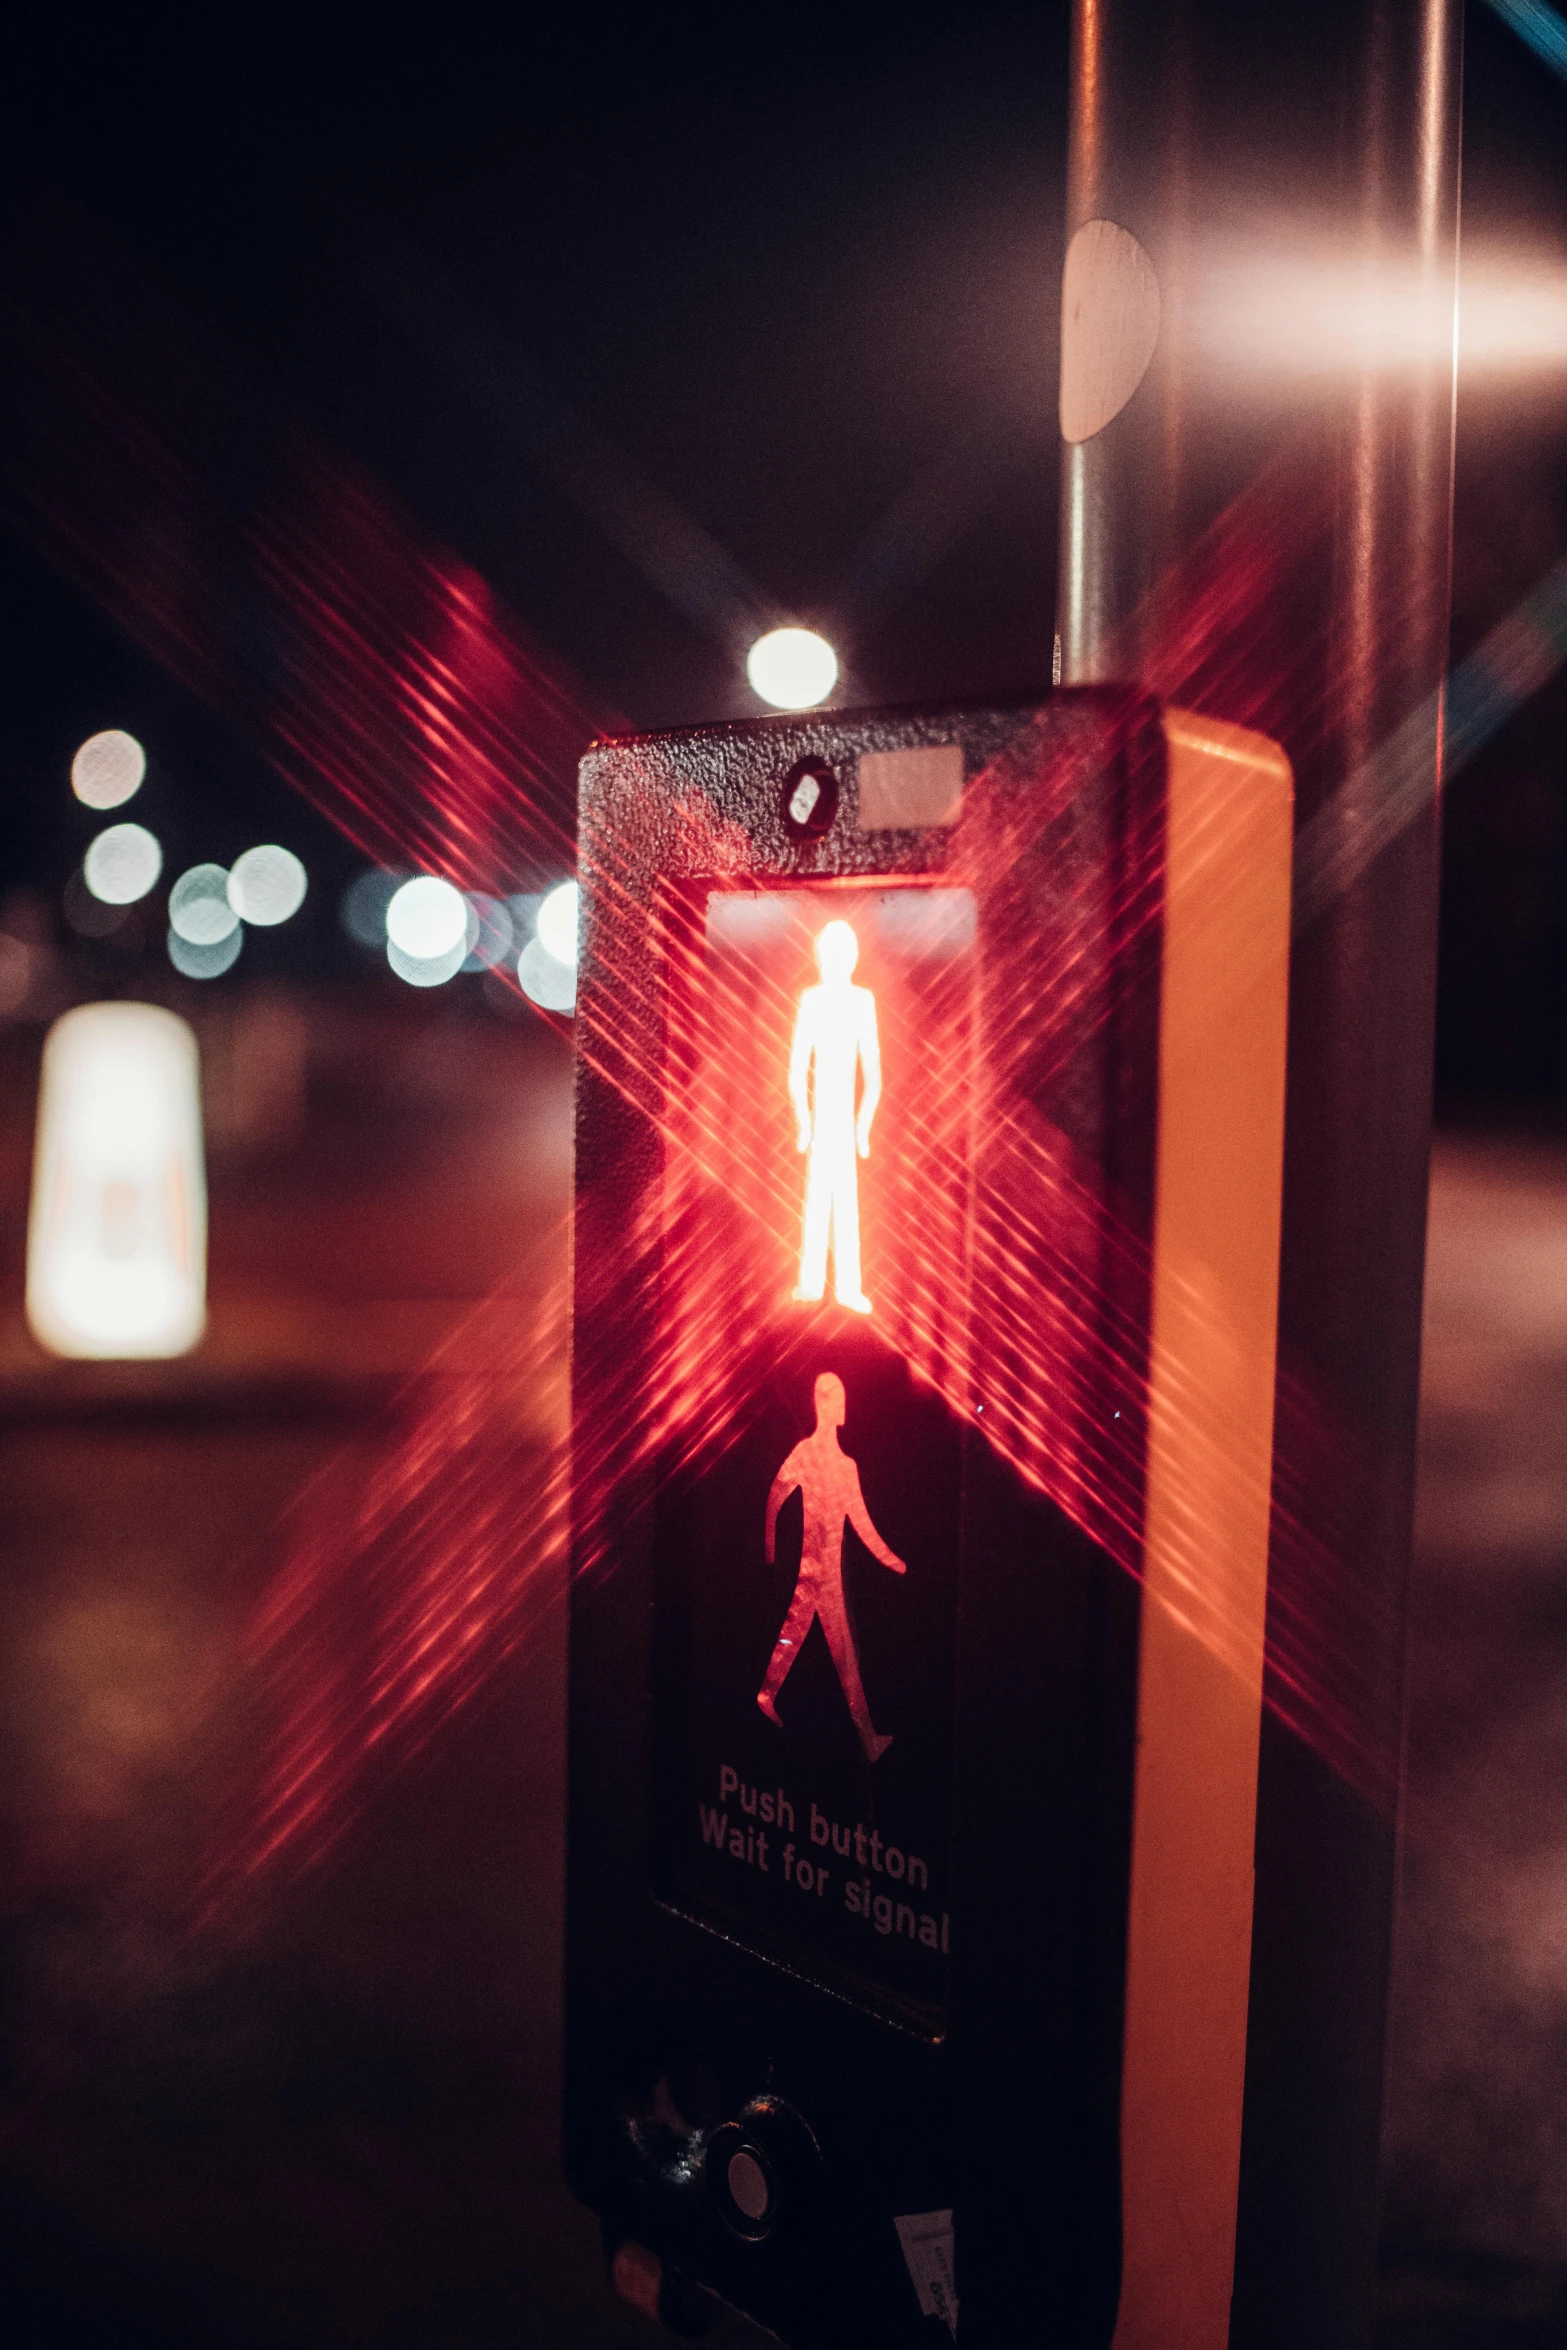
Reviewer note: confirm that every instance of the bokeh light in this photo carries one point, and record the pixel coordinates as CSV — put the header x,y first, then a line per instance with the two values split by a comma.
x,y
16,973
88,916
557,924
364,904
496,941
267,885
545,980
117,1231
792,668
199,909
108,769
208,959
1285,302
122,864
426,919
427,970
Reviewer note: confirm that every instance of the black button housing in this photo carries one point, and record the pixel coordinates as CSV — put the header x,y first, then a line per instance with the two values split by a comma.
x,y
761,2170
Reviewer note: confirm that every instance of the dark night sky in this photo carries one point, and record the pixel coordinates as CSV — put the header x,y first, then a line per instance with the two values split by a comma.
x,y
797,271
788,269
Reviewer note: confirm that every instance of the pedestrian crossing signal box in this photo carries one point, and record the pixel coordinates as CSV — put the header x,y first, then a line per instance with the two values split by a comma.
x,y
929,1129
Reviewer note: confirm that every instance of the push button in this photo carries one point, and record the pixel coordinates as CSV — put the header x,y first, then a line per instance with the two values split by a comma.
x,y
761,2168
750,2188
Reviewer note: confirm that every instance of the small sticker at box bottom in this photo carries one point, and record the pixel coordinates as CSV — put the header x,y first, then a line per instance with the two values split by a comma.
x,y
926,2237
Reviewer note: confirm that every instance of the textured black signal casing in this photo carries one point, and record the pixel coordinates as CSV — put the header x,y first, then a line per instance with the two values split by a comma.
x,y
1005,2110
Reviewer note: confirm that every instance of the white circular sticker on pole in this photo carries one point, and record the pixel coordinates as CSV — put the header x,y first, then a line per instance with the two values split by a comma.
x,y
1109,326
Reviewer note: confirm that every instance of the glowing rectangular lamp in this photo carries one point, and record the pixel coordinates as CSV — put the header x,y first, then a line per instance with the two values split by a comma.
x,y
117,1230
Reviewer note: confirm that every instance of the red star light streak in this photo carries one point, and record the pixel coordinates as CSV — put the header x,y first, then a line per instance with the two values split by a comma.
x,y
385,683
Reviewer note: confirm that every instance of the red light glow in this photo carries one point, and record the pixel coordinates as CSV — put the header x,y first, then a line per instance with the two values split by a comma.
x,y
381,677
387,685
409,1578
1032,1330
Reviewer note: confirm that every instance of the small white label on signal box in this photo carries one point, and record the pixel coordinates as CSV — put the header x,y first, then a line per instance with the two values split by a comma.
x,y
926,2237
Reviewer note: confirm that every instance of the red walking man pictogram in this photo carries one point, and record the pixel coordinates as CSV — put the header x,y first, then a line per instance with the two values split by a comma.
x,y
829,1486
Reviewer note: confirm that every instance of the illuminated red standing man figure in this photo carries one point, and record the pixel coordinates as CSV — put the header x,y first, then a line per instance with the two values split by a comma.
x,y
829,1486
834,1040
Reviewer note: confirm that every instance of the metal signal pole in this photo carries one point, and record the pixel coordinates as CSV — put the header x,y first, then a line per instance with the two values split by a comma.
x,y
1272,549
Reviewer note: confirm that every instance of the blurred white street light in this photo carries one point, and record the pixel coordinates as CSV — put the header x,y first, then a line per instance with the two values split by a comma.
x,y
108,769
363,910
122,864
430,931
544,980
267,885
427,970
1282,301
426,919
547,965
496,939
199,909
209,961
792,668
556,923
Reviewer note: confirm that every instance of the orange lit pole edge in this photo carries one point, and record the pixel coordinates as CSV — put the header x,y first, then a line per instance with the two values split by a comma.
x,y
398,699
